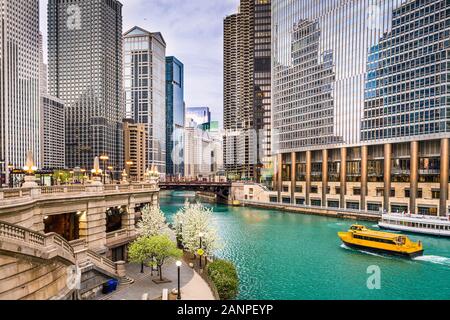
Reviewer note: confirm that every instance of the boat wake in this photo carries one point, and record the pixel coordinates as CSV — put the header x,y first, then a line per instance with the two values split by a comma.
x,y
343,246
434,259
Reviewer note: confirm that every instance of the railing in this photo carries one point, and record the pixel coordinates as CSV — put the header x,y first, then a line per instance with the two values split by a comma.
x,y
8,194
51,244
299,206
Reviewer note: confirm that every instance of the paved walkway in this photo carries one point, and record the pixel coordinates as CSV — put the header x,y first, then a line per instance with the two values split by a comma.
x,y
193,287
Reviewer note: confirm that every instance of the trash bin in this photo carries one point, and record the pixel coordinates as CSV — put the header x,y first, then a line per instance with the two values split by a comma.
x,y
110,286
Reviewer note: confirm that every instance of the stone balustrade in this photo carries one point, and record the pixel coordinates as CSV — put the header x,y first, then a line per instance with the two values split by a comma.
x,y
18,193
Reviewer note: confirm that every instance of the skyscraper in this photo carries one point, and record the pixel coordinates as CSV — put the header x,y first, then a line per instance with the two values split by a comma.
x,y
135,140
175,115
361,104
199,115
19,81
85,70
247,91
145,89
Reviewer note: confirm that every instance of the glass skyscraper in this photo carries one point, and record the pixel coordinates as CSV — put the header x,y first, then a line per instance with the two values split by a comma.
x,y
360,104
175,117
145,89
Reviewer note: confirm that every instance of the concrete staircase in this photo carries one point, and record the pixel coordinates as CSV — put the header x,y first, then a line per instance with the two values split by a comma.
x,y
37,267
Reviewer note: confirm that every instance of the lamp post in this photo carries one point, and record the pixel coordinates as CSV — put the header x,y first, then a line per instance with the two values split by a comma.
x,y
83,173
129,163
11,168
179,263
104,158
1,173
111,168
201,248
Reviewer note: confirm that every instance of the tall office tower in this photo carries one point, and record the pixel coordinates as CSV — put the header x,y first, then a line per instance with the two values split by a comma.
x,y
43,68
52,132
19,82
145,89
85,71
135,141
175,115
199,115
361,104
247,92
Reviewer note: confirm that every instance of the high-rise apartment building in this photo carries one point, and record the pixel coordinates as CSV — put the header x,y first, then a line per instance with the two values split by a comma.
x,y
85,71
19,82
175,115
145,89
247,91
361,104
135,141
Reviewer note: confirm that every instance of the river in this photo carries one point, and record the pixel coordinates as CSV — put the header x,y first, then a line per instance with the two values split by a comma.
x,y
291,256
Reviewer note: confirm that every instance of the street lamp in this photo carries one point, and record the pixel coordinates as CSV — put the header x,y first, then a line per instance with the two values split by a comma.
x,y
104,158
2,162
129,163
179,264
111,168
201,235
11,168
83,173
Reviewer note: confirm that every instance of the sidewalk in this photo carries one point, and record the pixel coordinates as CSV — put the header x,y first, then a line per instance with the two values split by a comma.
x,y
193,287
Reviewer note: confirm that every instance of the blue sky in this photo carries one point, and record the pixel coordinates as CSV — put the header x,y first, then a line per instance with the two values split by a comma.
x,y
193,31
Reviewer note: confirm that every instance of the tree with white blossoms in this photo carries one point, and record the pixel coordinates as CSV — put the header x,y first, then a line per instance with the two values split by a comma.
x,y
191,221
153,222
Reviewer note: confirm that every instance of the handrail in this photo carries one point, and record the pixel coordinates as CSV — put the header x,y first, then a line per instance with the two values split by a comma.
x,y
47,243
8,194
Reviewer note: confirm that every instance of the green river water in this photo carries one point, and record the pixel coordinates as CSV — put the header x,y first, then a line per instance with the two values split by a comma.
x,y
291,256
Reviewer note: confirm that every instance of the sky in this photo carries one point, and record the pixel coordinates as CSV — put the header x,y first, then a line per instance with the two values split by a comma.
x,y
193,31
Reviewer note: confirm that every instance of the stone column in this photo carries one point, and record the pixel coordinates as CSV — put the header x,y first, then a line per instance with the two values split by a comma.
x,y
364,151
387,175
324,177
279,175
293,176
414,176
343,175
96,225
308,178
128,219
444,177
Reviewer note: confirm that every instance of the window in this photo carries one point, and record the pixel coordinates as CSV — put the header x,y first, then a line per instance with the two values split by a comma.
x,y
316,203
435,194
274,199
353,205
374,207
314,189
300,201
356,191
333,204
286,200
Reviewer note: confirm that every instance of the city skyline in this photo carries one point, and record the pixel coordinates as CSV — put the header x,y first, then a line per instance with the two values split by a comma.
x,y
181,24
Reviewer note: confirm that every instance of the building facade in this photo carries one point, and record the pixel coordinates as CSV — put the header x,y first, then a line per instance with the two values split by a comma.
x,y
203,153
19,83
360,104
53,133
247,92
175,115
145,89
85,71
135,141
199,115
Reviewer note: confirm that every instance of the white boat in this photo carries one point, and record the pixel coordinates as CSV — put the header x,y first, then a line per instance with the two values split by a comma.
x,y
436,226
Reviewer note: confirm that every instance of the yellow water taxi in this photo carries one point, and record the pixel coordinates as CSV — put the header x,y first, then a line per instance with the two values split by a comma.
x,y
360,237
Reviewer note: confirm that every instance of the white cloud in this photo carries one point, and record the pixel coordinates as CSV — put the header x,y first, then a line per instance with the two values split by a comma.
x,y
193,31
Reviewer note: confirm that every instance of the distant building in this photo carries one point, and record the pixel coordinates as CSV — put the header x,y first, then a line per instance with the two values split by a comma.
x,y
145,89
175,117
19,83
203,156
85,71
247,92
135,142
52,132
200,115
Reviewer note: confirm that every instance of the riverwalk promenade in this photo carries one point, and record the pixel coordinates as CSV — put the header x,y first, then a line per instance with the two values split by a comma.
x,y
193,287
